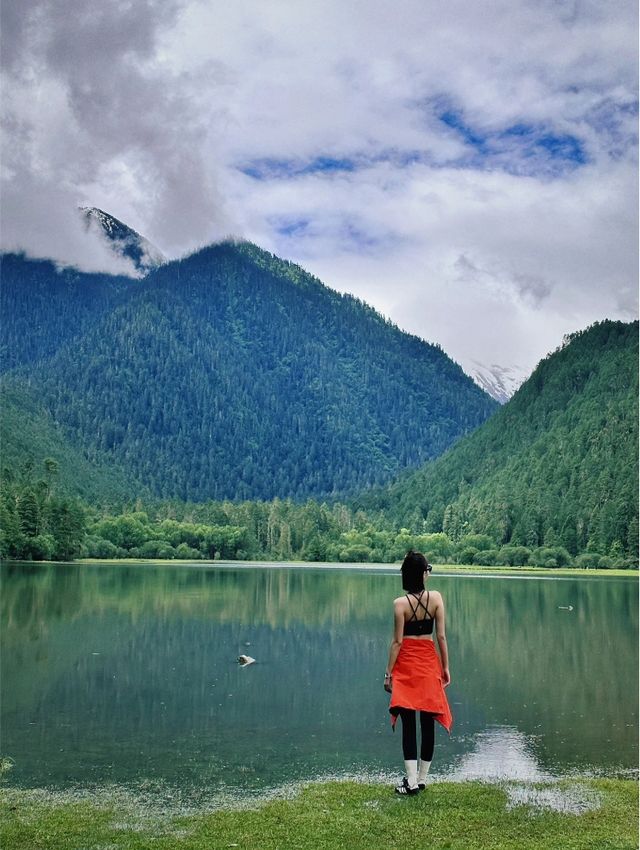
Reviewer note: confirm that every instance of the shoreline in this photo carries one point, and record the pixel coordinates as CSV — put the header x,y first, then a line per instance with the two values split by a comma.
x,y
573,813
468,570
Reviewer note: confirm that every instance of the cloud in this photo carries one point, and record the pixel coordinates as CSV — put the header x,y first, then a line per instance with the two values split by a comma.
x,y
493,266
45,222
468,168
505,284
103,119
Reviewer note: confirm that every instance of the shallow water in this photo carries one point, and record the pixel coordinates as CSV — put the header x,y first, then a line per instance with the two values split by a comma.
x,y
128,676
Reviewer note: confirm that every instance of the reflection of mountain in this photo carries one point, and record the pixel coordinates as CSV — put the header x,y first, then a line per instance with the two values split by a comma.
x,y
529,663
165,679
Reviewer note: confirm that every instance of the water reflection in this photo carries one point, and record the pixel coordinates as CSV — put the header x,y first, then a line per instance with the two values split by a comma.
x,y
125,674
500,753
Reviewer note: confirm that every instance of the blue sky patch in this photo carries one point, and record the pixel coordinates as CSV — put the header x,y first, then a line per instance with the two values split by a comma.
x,y
348,233
291,227
535,139
565,147
521,148
273,169
453,119
285,169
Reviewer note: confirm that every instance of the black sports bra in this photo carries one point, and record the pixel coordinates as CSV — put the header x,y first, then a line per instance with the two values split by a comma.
x,y
422,626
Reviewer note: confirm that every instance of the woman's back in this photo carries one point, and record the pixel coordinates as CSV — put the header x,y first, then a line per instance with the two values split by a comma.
x,y
420,611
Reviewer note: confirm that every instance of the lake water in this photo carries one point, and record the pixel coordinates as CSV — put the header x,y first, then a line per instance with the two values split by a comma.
x,y
128,675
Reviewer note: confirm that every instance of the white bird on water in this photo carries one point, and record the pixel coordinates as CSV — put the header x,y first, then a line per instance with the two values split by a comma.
x,y
243,660
565,607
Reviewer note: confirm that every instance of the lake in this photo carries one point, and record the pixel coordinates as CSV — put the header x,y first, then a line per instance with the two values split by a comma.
x,y
129,675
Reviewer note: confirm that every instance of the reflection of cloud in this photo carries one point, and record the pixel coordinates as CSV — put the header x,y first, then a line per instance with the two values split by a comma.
x,y
500,753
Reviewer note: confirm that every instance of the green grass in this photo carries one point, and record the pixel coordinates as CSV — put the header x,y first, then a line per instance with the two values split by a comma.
x,y
455,816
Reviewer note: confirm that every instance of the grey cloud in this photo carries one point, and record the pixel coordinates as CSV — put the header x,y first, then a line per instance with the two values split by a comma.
x,y
15,22
123,107
45,222
465,268
533,288
145,108
627,301
81,36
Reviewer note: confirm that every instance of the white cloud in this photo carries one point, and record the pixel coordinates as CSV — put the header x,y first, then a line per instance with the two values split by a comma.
x,y
492,266
483,194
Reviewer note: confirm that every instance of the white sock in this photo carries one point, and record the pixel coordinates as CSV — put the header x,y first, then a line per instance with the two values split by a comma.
x,y
411,768
424,770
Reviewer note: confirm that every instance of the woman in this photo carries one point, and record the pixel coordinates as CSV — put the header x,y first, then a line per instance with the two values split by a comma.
x,y
415,676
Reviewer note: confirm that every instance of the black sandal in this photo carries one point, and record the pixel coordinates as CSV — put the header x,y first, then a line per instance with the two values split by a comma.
x,y
405,789
422,786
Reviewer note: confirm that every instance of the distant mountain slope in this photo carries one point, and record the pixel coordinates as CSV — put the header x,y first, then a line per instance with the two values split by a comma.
x,y
233,374
557,465
41,306
124,240
28,433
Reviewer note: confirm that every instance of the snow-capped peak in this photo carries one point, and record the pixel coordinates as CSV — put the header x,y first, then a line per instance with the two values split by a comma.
x,y
124,240
501,382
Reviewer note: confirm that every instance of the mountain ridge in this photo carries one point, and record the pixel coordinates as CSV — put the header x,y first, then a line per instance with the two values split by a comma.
x,y
265,381
556,465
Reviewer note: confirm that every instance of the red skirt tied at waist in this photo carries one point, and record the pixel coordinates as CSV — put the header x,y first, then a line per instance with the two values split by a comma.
x,y
417,682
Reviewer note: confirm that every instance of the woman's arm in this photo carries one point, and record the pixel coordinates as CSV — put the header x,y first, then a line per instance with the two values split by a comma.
x,y
442,643
396,641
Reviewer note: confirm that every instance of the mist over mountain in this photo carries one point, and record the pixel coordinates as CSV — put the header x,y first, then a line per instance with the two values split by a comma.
x,y
123,240
228,374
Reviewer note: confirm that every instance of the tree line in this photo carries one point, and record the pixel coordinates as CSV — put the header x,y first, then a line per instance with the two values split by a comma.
x,y
37,524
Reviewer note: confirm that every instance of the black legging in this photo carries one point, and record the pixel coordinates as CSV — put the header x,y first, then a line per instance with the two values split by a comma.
x,y
409,738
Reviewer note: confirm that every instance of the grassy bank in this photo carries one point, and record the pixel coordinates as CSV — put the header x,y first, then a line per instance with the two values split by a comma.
x,y
443,569
573,814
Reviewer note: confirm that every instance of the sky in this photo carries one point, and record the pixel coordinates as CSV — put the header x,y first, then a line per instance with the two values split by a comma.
x,y
468,168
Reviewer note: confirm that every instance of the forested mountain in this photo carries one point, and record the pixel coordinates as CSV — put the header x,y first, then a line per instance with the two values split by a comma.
x,y
228,374
42,307
556,466
29,435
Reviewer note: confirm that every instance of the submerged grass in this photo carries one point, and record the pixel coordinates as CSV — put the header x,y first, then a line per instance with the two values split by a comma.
x,y
571,814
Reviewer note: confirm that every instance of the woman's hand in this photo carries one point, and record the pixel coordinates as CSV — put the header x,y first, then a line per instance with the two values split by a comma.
x,y
387,682
446,677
